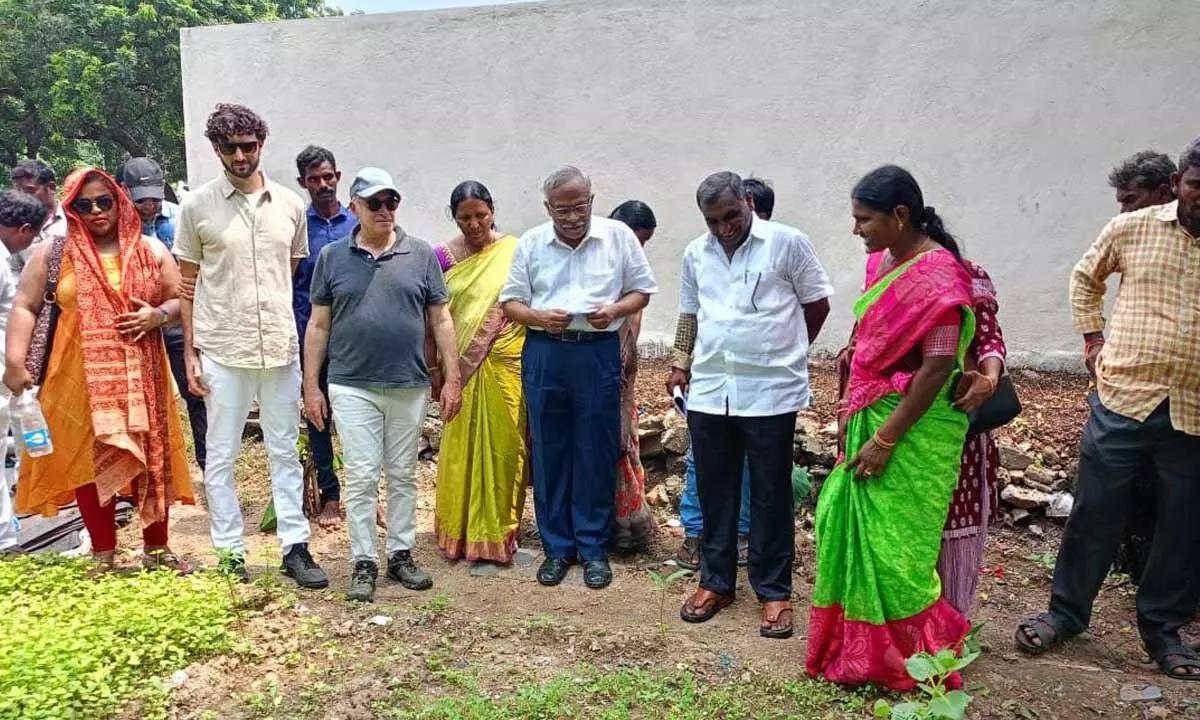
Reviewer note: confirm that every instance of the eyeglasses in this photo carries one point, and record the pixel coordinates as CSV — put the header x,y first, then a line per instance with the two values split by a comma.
x,y
566,213
374,203
83,206
229,148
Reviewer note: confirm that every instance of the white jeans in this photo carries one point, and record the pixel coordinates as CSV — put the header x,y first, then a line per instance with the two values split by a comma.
x,y
231,390
8,536
379,429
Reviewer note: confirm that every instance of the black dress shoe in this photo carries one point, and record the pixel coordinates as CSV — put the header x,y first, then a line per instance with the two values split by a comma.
x,y
552,571
597,574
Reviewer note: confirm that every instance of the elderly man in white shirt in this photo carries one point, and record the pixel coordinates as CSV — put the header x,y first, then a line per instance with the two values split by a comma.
x,y
752,296
573,282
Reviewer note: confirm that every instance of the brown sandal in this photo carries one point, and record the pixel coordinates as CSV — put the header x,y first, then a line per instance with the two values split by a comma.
x,y
102,564
772,611
703,605
161,558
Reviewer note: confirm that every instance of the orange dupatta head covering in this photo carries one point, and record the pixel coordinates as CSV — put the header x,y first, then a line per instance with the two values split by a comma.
x,y
126,381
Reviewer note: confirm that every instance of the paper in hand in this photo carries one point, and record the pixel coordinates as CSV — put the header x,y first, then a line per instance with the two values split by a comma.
x,y
680,401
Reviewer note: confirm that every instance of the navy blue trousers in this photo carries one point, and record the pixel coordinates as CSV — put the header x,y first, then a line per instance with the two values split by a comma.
x,y
573,393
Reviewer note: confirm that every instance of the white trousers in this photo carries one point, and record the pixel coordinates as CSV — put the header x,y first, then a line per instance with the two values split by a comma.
x,y
379,429
231,391
8,533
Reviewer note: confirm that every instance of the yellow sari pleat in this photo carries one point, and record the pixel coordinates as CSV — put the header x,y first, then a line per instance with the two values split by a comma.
x,y
482,463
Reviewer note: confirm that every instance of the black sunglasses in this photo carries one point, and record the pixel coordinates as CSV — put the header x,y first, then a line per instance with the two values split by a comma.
x,y
374,203
83,206
228,148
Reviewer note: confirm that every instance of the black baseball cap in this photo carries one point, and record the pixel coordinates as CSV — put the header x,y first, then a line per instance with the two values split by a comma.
x,y
144,179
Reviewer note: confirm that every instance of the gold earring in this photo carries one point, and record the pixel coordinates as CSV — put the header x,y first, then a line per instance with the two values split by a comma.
x,y
902,226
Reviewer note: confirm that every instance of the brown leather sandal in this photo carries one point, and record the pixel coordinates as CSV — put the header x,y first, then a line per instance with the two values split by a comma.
x,y
161,558
772,613
703,605
102,563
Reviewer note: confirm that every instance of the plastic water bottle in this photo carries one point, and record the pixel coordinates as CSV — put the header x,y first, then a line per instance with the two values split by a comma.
x,y
34,432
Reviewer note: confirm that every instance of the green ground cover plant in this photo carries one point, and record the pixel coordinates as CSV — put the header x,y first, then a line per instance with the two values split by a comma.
x,y
76,647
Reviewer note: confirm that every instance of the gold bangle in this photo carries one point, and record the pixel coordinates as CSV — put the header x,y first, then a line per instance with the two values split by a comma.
x,y
878,440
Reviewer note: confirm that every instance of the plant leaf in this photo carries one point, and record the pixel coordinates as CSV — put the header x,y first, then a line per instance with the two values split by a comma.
x,y
921,667
882,709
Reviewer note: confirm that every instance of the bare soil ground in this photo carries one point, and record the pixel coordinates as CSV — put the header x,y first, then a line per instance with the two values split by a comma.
x,y
314,654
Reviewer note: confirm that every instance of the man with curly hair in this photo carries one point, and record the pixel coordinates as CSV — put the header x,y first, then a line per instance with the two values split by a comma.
x,y
1143,180
239,239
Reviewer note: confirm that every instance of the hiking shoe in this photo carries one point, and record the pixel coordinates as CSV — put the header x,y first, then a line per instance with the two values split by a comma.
x,y
234,565
362,581
299,565
404,570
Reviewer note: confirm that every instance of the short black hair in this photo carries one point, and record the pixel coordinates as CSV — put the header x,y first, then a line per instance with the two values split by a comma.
x,y
1190,157
764,196
32,169
18,208
636,214
229,119
1147,169
312,156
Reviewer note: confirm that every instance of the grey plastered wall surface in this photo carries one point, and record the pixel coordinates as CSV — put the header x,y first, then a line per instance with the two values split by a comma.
x,y
1010,114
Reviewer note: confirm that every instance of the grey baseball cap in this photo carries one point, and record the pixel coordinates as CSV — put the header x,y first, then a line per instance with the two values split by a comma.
x,y
371,181
144,178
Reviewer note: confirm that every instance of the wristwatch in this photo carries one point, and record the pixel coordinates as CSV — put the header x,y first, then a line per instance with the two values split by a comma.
x,y
166,316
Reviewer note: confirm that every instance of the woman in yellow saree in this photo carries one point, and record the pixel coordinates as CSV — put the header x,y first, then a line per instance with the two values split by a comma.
x,y
482,463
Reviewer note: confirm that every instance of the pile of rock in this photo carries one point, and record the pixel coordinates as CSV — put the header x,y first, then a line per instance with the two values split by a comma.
x,y
1035,483
664,441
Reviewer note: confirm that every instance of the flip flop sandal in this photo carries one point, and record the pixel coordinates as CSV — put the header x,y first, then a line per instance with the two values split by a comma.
x,y
102,564
1179,657
771,613
1043,628
703,605
688,555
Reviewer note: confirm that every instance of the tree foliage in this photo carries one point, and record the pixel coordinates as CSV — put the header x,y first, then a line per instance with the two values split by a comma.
x,y
96,81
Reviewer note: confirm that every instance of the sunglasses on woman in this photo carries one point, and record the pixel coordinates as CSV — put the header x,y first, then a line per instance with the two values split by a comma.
x,y
83,206
229,148
374,203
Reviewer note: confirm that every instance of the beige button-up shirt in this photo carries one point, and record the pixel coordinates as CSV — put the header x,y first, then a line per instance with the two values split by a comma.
x,y
1153,348
244,245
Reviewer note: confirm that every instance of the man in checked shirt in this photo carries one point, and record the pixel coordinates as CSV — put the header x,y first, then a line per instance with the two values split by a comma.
x,y
1146,409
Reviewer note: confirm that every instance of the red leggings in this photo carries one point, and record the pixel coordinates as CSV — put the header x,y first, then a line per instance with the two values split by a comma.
x,y
101,521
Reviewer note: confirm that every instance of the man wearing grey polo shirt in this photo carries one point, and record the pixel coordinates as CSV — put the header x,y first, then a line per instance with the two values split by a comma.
x,y
238,241
752,296
372,295
573,282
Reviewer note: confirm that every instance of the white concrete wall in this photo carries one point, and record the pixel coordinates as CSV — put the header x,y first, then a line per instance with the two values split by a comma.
x,y
1009,113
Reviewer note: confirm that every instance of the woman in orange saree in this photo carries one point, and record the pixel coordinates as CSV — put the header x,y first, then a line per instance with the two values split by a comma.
x,y
106,392
482,462
634,524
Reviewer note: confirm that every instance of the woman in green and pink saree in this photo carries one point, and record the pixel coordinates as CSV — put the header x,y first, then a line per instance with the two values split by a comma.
x,y
877,599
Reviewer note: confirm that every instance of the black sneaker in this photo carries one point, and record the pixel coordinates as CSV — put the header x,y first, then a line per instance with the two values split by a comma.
x,y
404,570
234,565
362,581
299,565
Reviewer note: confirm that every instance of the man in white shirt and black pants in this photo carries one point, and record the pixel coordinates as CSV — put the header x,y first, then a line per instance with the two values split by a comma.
x,y
573,282
752,296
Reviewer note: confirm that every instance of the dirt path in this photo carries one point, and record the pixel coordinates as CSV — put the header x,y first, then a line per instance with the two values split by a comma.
x,y
319,656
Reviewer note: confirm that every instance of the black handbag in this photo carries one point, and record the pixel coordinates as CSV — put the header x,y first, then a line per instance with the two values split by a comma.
x,y
997,411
